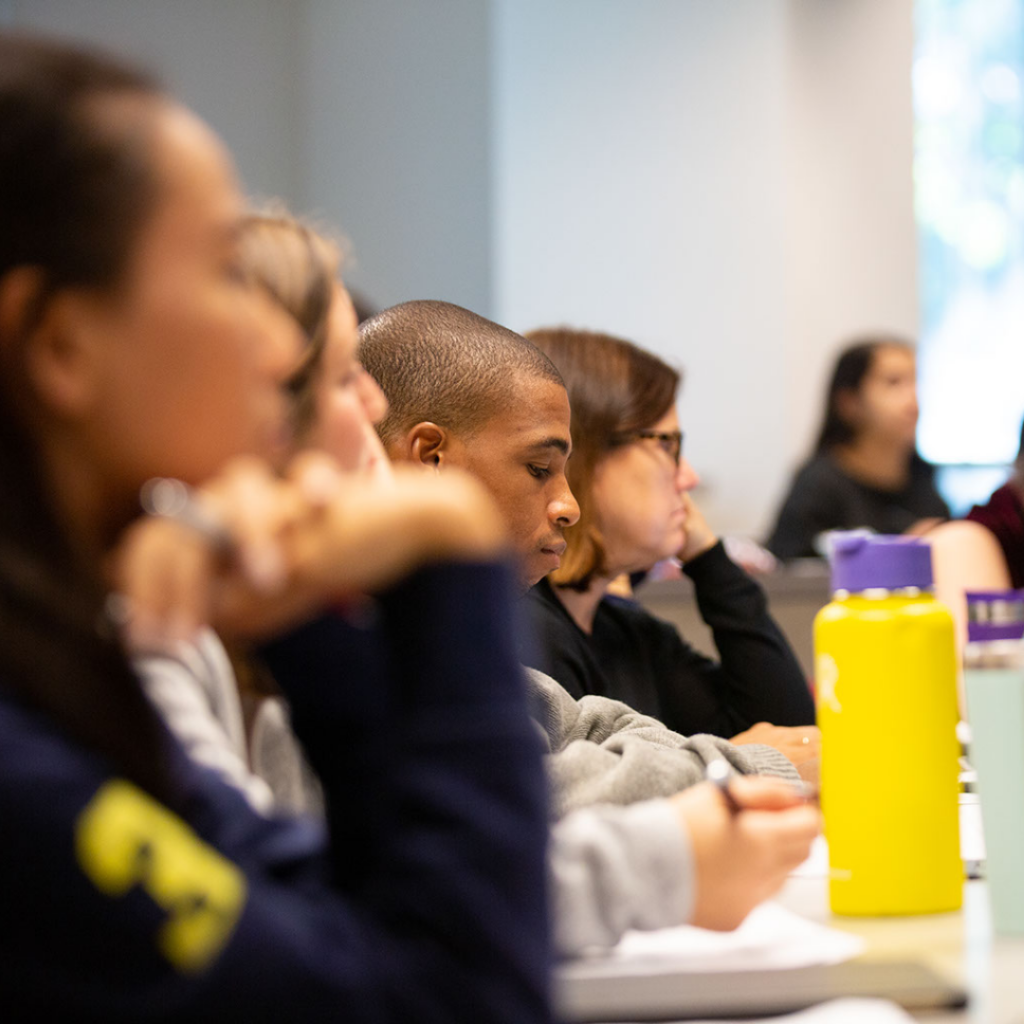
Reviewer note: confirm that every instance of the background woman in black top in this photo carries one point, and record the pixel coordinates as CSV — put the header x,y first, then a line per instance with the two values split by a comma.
x,y
632,484
865,471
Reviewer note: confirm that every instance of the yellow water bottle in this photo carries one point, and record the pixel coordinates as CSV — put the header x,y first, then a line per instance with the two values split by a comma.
x,y
885,668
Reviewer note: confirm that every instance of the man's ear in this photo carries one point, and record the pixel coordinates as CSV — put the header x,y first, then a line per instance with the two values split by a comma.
x,y
427,444
58,357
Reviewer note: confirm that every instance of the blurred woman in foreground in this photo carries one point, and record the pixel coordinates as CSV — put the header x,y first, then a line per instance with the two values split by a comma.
x,y
143,888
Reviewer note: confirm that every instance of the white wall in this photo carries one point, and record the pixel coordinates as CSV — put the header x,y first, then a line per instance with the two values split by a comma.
x,y
231,60
396,117
725,183
373,114
851,241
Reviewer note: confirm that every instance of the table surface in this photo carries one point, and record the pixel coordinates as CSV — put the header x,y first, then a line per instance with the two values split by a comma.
x,y
960,945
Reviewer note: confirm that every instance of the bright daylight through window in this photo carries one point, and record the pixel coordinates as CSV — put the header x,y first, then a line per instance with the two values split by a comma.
x,y
969,193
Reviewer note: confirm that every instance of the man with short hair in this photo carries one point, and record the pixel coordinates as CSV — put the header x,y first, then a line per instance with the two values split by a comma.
x,y
463,391
467,392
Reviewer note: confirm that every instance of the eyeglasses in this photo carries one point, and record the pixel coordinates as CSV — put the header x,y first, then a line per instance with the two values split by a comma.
x,y
670,442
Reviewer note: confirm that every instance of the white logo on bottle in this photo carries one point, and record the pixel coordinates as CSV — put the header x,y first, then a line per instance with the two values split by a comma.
x,y
827,675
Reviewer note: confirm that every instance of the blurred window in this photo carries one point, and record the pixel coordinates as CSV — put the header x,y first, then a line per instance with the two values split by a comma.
x,y
968,80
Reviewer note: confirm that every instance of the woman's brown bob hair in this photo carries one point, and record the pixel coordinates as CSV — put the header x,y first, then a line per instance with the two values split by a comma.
x,y
614,388
298,267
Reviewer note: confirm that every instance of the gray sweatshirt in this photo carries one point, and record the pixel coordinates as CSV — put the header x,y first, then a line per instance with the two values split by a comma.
x,y
612,867
602,751
616,868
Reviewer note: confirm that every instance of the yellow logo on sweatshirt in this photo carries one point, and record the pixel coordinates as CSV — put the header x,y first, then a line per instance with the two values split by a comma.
x,y
124,839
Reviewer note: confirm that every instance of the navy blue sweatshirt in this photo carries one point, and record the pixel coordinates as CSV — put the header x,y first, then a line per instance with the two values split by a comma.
x,y
425,900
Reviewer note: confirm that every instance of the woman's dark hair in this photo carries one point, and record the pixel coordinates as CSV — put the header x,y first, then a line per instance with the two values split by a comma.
x,y
852,366
614,388
75,189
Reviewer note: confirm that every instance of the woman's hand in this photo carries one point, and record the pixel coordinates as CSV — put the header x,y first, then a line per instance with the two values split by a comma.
x,y
699,536
372,531
284,547
742,858
223,553
799,743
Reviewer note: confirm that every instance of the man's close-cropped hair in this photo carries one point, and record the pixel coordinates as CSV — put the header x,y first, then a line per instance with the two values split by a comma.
x,y
440,363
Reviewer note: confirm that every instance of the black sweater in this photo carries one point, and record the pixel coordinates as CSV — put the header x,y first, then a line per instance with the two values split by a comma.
x,y
823,498
634,657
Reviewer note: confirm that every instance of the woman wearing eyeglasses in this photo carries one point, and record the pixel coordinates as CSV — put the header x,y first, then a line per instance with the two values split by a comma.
x,y
633,486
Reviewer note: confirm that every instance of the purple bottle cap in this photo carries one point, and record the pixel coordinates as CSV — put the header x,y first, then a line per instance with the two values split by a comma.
x,y
995,615
866,561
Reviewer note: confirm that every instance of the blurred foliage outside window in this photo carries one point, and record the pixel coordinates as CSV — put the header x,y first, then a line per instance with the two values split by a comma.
x,y
968,86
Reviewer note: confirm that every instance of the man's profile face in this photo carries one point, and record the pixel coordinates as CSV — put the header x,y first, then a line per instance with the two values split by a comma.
x,y
520,456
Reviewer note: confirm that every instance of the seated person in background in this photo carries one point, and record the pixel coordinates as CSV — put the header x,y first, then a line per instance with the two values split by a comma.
x,y
464,392
1003,516
965,556
984,551
137,886
652,863
865,471
331,407
648,865
632,482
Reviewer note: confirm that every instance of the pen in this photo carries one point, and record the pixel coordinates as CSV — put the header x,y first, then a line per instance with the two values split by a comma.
x,y
720,772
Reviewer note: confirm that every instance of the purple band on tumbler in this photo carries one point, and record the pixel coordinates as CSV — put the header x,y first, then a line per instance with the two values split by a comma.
x,y
995,615
988,596
865,561
979,632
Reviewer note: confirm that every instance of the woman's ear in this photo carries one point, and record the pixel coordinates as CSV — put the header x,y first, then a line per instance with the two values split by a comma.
x,y
59,358
426,444
848,407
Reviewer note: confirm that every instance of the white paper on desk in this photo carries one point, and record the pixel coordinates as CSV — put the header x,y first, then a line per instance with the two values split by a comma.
x,y
770,937
839,1011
